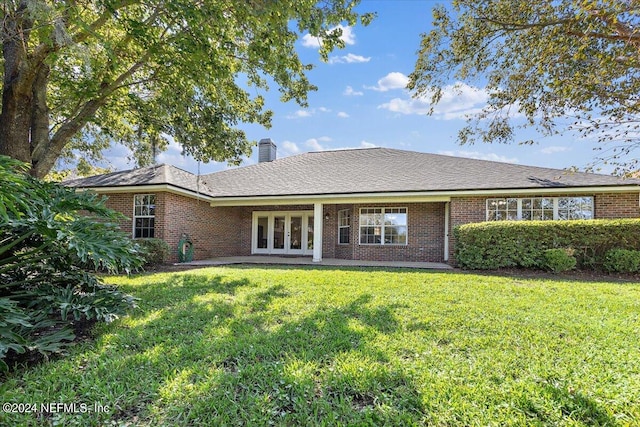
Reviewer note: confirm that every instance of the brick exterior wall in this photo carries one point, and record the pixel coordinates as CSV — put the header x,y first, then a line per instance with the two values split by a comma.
x,y
425,239
226,231
465,210
617,205
174,215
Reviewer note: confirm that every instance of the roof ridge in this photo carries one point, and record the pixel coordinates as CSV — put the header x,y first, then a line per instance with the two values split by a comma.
x,y
344,149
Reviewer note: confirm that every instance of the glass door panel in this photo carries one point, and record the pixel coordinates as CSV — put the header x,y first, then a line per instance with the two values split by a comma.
x,y
310,234
262,232
279,232
295,235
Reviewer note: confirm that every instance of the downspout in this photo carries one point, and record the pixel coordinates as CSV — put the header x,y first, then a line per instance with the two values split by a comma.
x,y
446,231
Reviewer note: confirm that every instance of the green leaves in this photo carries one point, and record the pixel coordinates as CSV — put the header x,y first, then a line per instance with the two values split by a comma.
x,y
135,72
563,66
49,236
499,244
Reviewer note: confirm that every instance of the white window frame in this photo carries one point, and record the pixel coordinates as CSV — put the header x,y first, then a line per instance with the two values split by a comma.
x,y
555,201
383,226
136,216
344,214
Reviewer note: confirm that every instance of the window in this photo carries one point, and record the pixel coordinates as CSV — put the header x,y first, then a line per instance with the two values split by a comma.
x,y
144,212
537,208
383,226
540,208
575,208
344,226
502,209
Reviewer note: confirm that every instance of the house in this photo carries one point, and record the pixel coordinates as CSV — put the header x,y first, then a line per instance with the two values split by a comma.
x,y
376,204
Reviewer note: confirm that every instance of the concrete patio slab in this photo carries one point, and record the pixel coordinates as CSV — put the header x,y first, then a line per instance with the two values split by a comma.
x,y
325,262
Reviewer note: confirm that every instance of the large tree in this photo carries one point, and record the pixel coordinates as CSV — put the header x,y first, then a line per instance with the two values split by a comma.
x,y
83,74
566,65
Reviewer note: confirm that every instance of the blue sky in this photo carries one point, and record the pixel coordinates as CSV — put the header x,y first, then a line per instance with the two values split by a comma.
x,y
361,102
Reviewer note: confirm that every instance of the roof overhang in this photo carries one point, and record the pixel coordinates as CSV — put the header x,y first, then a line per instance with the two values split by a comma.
x,y
409,197
151,188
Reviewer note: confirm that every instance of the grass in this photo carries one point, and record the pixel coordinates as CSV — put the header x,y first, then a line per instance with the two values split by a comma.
x,y
314,346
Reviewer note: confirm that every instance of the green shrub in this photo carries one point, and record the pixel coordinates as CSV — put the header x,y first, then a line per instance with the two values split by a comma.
x,y
154,251
50,236
559,260
622,261
499,244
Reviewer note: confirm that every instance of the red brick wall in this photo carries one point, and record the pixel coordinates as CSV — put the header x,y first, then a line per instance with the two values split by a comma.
x,y
180,215
425,239
122,203
175,214
226,231
466,210
617,205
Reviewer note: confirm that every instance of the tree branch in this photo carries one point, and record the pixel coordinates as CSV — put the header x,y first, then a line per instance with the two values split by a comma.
x,y
60,138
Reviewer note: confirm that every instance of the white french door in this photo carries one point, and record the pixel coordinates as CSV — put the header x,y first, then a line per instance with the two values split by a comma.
x,y
282,232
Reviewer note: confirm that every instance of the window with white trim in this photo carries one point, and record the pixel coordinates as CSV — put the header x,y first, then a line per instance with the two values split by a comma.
x,y
539,208
144,213
383,226
344,226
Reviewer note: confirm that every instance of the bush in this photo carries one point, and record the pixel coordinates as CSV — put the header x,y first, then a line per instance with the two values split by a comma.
x,y
50,234
492,245
154,251
559,260
622,261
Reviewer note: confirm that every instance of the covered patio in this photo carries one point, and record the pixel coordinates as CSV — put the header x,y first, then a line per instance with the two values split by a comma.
x,y
276,260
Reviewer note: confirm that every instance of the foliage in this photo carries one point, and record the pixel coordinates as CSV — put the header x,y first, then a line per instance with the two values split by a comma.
x,y
498,244
83,75
544,61
155,251
48,234
622,261
325,346
559,260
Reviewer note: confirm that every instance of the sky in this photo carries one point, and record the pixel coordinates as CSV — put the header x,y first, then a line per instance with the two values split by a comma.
x,y
362,102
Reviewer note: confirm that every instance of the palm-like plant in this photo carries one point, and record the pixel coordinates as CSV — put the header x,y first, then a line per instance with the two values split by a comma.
x,y
51,237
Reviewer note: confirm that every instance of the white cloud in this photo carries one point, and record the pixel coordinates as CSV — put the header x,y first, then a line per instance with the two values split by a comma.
x,y
348,37
307,113
309,41
173,155
393,80
288,148
365,144
554,149
343,115
480,156
349,91
299,114
349,58
315,144
457,102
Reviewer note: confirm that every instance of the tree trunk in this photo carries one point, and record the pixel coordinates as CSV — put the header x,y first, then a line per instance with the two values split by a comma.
x,y
40,139
17,95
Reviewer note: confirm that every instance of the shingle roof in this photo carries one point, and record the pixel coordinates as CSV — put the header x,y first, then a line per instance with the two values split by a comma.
x,y
383,170
151,175
371,170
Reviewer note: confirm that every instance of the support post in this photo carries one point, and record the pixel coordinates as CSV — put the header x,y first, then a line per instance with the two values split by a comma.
x,y
318,218
446,231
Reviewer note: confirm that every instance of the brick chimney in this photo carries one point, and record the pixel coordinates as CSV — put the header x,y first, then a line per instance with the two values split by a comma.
x,y
266,150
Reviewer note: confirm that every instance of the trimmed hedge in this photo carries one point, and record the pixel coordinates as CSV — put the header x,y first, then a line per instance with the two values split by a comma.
x,y
559,260
499,244
622,261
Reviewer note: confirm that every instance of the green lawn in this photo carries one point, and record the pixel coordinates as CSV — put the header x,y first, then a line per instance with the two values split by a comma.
x,y
304,346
